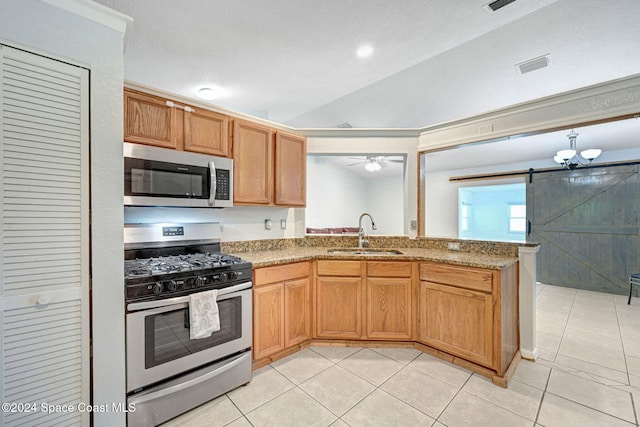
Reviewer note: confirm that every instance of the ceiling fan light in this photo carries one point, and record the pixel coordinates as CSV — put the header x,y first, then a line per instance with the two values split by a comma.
x,y
591,154
558,159
566,154
373,166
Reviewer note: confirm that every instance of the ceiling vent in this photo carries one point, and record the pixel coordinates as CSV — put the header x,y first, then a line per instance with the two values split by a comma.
x,y
499,4
533,64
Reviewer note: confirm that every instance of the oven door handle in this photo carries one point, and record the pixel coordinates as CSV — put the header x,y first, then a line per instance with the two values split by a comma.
x,y
146,305
185,385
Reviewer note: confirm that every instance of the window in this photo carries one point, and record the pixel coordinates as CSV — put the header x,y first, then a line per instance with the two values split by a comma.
x,y
492,212
517,218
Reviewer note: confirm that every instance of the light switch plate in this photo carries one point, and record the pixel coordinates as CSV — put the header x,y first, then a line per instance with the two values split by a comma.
x,y
267,224
283,224
414,224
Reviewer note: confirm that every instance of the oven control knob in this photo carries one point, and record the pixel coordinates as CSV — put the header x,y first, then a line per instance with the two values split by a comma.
x,y
232,275
172,285
200,281
157,288
223,277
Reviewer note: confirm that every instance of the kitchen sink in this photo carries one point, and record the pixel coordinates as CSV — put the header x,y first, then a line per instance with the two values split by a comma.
x,y
364,251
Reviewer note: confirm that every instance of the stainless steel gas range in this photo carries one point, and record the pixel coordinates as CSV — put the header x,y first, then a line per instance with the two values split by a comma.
x,y
168,372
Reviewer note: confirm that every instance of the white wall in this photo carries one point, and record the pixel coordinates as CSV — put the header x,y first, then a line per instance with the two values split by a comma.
x,y
384,202
335,196
343,144
40,27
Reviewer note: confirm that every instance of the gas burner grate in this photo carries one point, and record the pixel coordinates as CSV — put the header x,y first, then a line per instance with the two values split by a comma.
x,y
178,263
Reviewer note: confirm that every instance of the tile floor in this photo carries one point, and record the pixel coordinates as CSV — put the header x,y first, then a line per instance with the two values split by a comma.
x,y
587,374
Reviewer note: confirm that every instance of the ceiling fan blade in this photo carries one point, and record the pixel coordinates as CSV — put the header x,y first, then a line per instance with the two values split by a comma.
x,y
357,163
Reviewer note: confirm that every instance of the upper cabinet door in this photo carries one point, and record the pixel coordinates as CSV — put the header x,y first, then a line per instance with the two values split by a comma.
x,y
206,132
253,160
148,120
290,170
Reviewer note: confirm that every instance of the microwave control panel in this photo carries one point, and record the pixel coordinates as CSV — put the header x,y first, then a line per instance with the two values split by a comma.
x,y
222,184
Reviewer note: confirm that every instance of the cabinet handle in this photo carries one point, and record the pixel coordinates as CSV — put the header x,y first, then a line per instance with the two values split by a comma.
x,y
182,107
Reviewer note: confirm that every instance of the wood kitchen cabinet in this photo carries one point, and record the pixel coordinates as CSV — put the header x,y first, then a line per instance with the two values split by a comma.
x,y
268,320
339,299
457,320
206,132
149,119
290,169
471,313
253,164
281,308
297,316
269,166
466,315
364,300
389,304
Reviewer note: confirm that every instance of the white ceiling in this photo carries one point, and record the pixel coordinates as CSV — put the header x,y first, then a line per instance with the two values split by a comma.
x,y
294,62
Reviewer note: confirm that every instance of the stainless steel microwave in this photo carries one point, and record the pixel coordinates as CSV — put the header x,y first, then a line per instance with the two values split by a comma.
x,y
161,177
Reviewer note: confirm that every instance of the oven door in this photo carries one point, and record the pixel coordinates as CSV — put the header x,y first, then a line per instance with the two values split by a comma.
x,y
158,343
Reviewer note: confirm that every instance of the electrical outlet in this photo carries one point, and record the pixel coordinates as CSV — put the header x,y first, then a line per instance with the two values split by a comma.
x,y
413,224
267,224
453,246
283,224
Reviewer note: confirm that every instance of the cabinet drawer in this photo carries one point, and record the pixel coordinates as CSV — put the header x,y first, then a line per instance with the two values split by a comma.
x,y
463,277
280,273
388,269
339,268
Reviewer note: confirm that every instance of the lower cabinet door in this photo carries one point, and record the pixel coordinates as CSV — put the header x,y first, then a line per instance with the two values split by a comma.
x,y
268,320
297,326
389,308
458,321
339,307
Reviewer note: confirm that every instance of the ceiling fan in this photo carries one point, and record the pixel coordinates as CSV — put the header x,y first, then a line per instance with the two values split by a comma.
x,y
373,163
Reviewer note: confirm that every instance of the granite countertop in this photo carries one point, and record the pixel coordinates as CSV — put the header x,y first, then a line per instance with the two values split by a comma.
x,y
284,256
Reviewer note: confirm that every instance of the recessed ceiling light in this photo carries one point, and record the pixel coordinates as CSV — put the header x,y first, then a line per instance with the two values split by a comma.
x,y
207,93
364,51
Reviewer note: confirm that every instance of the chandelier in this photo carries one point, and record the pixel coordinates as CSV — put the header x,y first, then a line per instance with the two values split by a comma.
x,y
570,159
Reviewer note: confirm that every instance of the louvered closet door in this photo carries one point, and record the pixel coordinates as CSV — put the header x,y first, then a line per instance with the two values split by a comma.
x,y
44,326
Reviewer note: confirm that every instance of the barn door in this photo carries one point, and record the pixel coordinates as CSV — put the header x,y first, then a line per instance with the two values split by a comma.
x,y
587,223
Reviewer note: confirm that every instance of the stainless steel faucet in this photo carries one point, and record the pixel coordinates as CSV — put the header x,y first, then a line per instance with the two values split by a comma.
x,y
361,233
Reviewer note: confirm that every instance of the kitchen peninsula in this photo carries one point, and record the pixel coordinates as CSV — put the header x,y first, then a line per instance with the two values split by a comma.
x,y
459,305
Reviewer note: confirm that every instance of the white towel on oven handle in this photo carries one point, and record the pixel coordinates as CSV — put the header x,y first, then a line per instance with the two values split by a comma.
x,y
203,314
